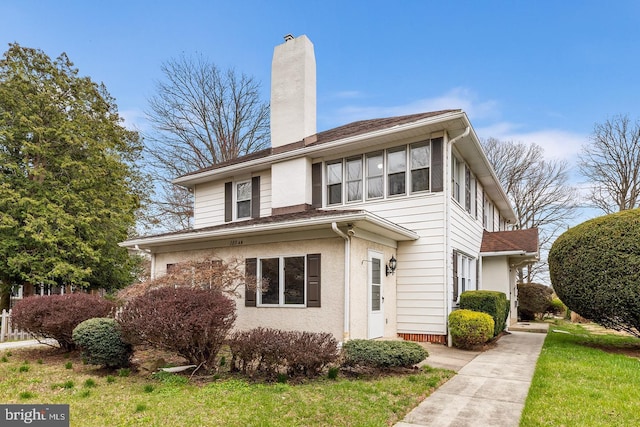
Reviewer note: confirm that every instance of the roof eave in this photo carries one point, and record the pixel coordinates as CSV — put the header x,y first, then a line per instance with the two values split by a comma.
x,y
196,178
390,229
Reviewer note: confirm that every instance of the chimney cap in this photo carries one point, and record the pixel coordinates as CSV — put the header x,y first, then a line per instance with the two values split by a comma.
x,y
288,37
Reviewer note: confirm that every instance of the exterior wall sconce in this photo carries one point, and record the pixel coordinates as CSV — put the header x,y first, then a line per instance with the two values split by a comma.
x,y
391,267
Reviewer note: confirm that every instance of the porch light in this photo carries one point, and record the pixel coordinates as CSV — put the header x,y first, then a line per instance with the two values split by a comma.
x,y
391,267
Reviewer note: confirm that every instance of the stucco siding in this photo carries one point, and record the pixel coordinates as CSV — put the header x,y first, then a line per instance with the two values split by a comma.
x,y
327,318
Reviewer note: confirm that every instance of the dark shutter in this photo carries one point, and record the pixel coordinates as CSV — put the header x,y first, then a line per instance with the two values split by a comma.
x,y
455,276
255,197
316,185
467,188
250,271
228,201
437,172
313,280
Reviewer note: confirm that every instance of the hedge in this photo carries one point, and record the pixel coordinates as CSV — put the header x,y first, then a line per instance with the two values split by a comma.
x,y
493,303
469,328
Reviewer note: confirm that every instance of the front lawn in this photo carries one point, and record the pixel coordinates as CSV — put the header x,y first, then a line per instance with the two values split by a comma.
x,y
100,398
585,379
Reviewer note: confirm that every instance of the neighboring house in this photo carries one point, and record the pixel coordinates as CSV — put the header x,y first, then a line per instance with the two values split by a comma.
x,y
321,217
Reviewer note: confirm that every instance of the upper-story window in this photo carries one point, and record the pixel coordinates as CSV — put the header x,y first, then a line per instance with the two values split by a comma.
x,y
354,179
375,175
420,162
397,171
457,178
243,199
334,182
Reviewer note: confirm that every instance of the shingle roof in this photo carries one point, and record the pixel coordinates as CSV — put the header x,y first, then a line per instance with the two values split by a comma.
x,y
272,219
340,132
507,241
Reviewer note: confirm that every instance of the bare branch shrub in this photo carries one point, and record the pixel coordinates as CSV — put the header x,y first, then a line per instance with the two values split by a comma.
x,y
55,316
192,322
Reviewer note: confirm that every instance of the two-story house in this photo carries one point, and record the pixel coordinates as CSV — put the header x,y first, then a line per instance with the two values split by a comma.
x,y
371,229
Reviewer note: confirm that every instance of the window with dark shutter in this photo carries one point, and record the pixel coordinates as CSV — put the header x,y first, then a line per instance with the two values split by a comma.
x,y
250,272
313,280
436,165
467,188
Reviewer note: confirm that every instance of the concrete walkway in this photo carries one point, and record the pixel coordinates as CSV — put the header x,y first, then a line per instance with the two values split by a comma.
x,y
23,343
490,388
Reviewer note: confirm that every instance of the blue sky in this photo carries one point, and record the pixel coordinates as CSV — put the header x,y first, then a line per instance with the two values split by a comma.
x,y
534,71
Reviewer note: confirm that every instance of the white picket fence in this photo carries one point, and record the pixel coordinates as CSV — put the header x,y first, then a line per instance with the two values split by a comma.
x,y
8,332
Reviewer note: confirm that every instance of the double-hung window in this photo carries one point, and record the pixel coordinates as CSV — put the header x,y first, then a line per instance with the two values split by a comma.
x,y
243,199
375,176
354,179
420,166
282,281
397,171
334,183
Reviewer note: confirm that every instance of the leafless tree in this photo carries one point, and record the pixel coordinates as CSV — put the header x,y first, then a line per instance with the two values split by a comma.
x,y
200,116
539,191
611,163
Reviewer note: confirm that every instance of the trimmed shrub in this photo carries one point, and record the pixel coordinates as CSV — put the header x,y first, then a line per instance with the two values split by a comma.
x,y
191,322
493,303
534,300
55,316
271,352
383,354
101,342
470,328
557,307
595,270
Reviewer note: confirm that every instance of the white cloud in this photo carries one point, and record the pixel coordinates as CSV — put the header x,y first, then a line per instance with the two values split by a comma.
x,y
557,143
462,98
134,119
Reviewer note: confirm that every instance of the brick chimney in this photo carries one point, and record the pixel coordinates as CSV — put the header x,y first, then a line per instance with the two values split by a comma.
x,y
293,91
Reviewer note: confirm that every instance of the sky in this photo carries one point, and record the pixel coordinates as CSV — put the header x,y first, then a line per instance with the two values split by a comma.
x,y
530,71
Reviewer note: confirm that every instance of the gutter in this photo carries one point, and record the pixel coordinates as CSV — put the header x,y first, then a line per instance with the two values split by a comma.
x,y
347,283
508,253
447,220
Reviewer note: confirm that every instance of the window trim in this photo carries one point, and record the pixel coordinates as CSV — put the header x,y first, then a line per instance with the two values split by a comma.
x,y
236,184
410,168
281,281
340,183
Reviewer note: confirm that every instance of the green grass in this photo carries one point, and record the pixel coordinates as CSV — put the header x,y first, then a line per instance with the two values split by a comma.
x,y
170,399
578,383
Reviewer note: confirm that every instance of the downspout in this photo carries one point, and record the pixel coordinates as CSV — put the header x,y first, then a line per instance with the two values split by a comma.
x,y
347,282
447,220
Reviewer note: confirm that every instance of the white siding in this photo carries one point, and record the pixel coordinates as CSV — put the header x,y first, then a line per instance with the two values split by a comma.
x,y
420,278
209,200
208,204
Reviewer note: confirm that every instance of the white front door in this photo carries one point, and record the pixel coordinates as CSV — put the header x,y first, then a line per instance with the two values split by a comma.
x,y
375,295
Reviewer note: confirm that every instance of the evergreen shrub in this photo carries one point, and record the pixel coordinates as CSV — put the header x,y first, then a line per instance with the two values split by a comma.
x,y
469,328
101,342
382,354
493,303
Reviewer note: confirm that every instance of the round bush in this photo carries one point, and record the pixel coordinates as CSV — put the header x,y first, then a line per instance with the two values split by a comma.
x,y
101,342
55,316
595,270
383,354
469,328
534,299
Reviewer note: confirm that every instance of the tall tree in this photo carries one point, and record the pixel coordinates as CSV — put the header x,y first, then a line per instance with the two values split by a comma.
x,y
611,162
201,116
539,191
69,189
